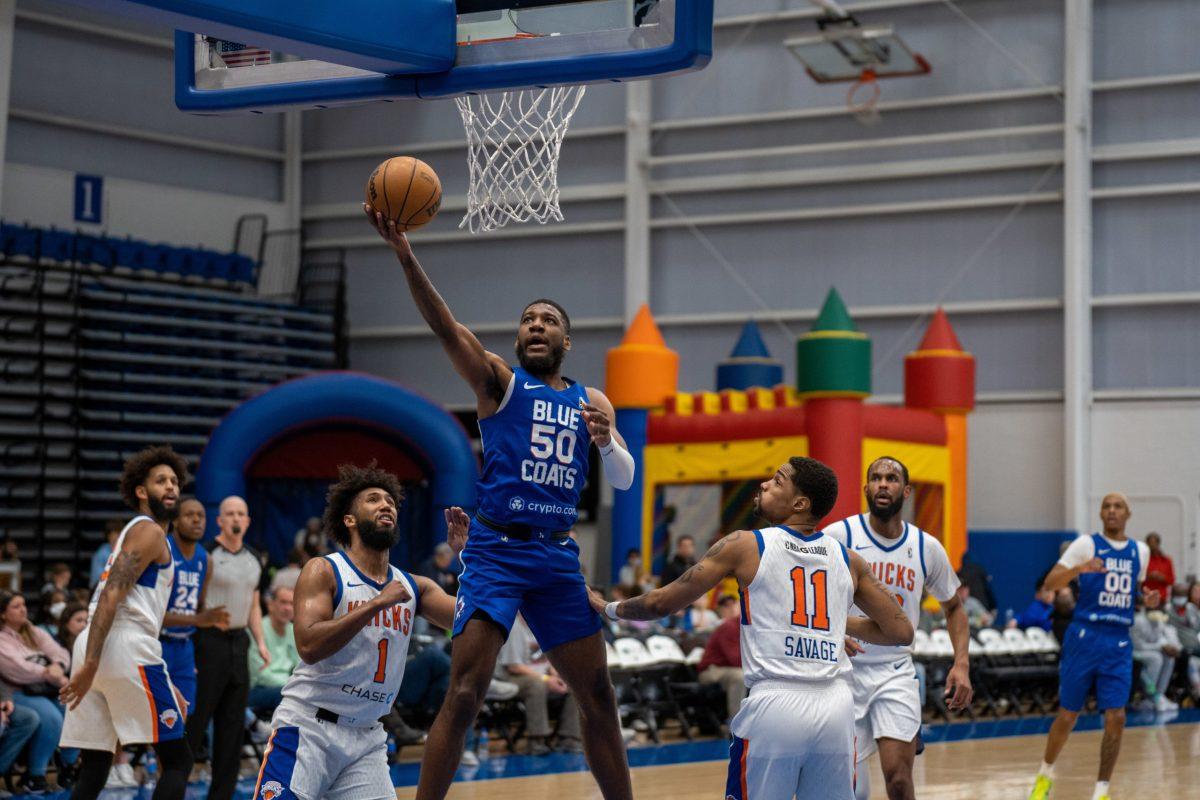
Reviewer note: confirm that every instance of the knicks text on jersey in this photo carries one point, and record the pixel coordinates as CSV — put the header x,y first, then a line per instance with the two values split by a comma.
x,y
535,455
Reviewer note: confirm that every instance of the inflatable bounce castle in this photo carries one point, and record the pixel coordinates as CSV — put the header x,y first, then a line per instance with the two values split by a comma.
x,y
740,434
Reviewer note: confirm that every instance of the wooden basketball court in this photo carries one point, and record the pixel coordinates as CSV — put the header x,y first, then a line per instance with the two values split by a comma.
x,y
1160,760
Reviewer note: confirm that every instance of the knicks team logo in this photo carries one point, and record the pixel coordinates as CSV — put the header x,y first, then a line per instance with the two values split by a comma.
x,y
271,790
169,717
516,504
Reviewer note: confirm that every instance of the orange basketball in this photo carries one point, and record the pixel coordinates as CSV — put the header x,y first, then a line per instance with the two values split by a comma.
x,y
405,189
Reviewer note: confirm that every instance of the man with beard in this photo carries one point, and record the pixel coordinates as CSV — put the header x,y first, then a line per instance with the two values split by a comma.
x,y
909,562
794,735
354,620
536,427
223,677
119,689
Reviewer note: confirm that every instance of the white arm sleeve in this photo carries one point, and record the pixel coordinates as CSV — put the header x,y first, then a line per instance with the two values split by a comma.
x,y
1081,551
1144,561
618,465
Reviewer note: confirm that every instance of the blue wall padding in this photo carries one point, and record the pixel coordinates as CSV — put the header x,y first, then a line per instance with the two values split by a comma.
x,y
1015,560
338,397
627,505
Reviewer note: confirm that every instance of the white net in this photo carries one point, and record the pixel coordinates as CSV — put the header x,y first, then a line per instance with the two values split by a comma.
x,y
513,143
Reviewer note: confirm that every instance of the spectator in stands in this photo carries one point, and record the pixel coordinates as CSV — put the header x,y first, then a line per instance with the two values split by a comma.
x,y
443,568
71,622
1155,646
515,665
36,667
722,660
1185,619
58,578
53,604
17,726
10,564
1040,612
286,577
701,618
977,614
112,529
683,560
631,573
267,680
976,578
311,540
1160,572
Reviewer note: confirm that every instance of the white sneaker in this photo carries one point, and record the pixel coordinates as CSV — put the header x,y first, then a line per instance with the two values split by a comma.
x,y
469,759
121,777
1161,703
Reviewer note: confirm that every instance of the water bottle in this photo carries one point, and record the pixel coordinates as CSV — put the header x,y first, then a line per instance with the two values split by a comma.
x,y
481,744
151,766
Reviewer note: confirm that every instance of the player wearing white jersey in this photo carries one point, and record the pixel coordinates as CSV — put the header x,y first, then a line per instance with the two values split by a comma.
x,y
909,562
794,734
354,620
119,689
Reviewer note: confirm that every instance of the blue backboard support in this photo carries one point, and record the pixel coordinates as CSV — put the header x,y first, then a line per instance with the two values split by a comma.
x,y
412,37
677,37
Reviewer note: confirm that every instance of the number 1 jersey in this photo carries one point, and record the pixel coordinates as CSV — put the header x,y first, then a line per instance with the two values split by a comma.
x,y
535,455
794,611
360,681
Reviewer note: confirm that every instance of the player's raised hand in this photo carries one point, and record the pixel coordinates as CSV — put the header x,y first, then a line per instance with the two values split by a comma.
x,y
216,617
388,230
598,424
457,526
393,594
1094,565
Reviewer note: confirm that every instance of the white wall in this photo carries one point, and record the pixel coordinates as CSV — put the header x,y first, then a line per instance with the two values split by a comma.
x,y
1146,449
166,214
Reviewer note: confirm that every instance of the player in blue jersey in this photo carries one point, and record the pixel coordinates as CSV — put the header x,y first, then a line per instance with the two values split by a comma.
x,y
1097,652
536,427
185,609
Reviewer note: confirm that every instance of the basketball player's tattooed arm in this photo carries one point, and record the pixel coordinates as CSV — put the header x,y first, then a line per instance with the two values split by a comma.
x,y
885,623
958,681
486,373
143,545
318,634
735,554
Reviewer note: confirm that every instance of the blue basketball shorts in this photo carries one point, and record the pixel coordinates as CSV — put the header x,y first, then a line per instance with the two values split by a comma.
x,y
539,577
180,656
1096,657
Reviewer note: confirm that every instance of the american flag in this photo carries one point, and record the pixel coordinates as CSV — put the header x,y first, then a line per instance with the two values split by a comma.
x,y
242,55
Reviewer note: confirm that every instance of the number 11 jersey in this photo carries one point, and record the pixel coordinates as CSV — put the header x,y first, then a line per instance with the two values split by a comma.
x,y
360,681
794,611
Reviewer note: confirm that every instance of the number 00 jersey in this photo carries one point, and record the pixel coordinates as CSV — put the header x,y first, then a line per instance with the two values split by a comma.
x,y
794,611
360,681
535,455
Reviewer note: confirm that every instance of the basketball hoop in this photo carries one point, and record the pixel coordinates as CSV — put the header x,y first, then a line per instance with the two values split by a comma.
x,y
513,144
862,98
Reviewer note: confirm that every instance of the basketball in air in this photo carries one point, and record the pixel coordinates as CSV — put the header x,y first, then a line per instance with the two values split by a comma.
x,y
405,189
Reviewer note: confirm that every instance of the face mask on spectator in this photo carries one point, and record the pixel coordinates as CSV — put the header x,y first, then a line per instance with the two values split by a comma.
x,y
1180,602
56,609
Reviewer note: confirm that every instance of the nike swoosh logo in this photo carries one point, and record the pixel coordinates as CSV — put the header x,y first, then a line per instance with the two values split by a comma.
x,y
864,547
897,666
1122,644
353,585
534,385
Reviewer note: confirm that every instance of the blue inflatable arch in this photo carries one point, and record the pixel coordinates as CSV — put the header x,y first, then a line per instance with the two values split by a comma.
x,y
337,397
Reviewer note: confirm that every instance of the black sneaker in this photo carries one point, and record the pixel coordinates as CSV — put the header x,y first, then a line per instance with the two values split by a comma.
x,y
33,784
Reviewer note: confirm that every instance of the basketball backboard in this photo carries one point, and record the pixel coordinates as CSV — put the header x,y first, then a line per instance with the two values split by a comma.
x,y
846,51
498,45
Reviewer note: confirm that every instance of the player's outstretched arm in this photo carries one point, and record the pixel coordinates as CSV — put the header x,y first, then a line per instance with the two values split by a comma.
x,y
736,554
486,373
436,605
885,622
318,634
600,418
142,546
